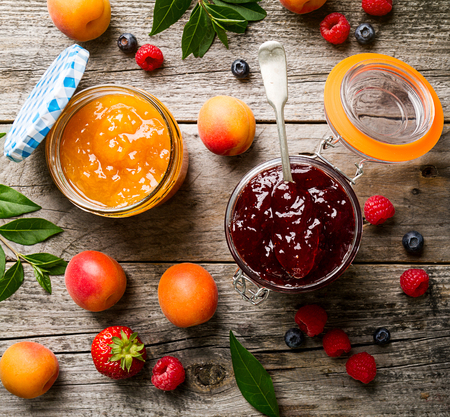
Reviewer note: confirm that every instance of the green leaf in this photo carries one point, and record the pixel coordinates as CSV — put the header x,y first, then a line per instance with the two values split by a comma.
x,y
193,32
43,279
11,281
50,264
242,1
227,18
208,37
166,13
44,259
221,34
57,269
253,380
29,231
2,134
13,203
2,262
249,11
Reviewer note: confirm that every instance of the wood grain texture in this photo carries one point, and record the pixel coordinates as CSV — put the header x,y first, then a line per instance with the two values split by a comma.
x,y
412,376
189,227
413,371
415,32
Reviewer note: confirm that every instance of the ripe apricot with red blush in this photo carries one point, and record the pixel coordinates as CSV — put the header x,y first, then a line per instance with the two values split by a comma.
x,y
95,281
187,295
28,369
226,125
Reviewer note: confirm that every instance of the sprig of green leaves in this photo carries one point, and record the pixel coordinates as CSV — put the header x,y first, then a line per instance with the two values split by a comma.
x,y
208,19
27,231
253,380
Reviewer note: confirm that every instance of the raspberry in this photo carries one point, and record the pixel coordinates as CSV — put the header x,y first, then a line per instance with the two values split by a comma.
x,y
414,282
377,7
378,209
336,342
168,373
362,367
335,28
149,57
311,319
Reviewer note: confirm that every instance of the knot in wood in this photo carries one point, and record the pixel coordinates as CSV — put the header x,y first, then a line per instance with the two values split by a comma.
x,y
209,374
429,171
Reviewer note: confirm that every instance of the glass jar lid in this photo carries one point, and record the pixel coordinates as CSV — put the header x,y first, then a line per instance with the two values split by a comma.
x,y
382,108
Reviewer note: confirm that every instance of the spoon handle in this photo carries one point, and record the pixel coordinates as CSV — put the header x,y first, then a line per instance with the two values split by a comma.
x,y
272,61
285,163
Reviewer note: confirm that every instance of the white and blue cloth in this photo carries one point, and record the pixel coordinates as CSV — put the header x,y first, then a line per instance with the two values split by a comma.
x,y
45,103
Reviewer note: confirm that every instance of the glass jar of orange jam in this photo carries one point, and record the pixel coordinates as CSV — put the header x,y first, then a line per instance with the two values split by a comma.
x,y
116,151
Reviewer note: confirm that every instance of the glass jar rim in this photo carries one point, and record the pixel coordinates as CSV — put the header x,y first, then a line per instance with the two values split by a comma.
x,y
395,75
78,101
357,140
351,253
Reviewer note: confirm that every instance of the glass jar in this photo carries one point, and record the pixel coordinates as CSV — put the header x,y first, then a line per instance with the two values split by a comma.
x,y
171,179
380,108
294,286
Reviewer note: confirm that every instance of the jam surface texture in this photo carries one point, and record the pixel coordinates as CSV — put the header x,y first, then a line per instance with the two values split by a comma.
x,y
293,234
115,150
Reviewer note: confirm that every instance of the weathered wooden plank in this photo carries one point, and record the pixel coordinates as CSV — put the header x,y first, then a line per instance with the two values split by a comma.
x,y
413,370
190,226
185,85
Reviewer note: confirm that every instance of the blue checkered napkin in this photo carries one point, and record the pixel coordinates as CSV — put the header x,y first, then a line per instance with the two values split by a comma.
x,y
45,103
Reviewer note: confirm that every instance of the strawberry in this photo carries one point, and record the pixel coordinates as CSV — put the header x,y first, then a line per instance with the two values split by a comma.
x,y
118,352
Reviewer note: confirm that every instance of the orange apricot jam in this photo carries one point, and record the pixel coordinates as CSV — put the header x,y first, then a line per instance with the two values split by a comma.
x,y
115,150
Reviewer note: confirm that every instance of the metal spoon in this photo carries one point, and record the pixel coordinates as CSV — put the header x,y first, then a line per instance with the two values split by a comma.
x,y
272,61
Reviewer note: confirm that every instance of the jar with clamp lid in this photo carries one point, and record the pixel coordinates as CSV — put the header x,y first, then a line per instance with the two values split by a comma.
x,y
377,106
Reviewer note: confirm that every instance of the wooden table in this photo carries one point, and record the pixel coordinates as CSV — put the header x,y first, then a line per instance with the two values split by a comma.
x,y
413,371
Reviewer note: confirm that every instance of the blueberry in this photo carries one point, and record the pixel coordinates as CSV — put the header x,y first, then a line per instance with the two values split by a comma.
x,y
294,337
381,336
127,43
240,68
365,33
413,242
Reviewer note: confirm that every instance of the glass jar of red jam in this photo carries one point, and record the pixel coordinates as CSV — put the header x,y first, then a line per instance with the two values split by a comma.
x,y
116,151
300,236
334,218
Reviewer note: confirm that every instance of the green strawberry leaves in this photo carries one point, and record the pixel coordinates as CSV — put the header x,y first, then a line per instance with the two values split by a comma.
x,y
25,231
125,349
205,21
253,380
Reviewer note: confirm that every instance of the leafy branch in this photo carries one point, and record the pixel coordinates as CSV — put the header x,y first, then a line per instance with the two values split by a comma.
x,y
27,231
208,19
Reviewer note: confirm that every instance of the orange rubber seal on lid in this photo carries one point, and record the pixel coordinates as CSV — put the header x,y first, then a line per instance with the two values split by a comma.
x,y
365,144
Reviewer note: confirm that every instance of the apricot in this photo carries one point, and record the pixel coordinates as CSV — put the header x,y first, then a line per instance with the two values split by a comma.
x,y
80,20
226,125
187,295
28,369
95,281
302,6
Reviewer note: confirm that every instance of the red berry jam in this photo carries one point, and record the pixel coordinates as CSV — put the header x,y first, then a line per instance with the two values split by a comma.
x,y
292,234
